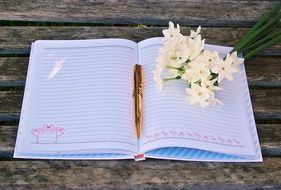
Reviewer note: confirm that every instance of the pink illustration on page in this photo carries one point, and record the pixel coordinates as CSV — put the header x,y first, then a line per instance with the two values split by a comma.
x,y
47,133
192,136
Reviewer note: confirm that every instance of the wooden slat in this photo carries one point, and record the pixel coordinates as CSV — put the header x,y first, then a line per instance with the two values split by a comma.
x,y
261,72
266,103
269,134
10,101
270,139
7,141
264,72
13,68
207,13
127,174
17,39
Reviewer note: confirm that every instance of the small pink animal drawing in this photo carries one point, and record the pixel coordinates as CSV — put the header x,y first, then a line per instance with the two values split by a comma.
x,y
156,136
237,142
229,141
173,133
205,138
197,135
213,138
149,137
188,133
221,139
58,131
164,133
181,134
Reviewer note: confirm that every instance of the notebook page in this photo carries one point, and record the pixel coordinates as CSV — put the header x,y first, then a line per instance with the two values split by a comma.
x,y
78,98
169,121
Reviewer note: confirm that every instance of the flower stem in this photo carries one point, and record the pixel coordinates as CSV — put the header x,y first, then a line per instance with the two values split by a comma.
x,y
174,78
260,23
253,36
262,47
262,41
171,67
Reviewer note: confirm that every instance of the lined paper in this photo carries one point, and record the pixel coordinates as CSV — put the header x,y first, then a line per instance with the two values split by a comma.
x,y
80,99
169,121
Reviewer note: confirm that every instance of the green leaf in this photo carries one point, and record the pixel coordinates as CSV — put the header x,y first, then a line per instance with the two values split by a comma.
x,y
177,68
254,35
216,83
198,82
214,76
262,41
180,72
263,47
260,23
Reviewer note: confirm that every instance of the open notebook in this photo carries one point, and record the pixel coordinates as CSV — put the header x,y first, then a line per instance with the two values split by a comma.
x,y
78,105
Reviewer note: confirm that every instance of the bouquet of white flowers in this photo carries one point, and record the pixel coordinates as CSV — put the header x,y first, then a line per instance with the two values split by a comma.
x,y
184,57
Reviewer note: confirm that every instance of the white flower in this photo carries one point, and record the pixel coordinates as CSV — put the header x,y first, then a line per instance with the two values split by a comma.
x,y
196,46
214,101
202,95
193,34
196,71
162,60
171,32
209,84
225,69
236,60
209,59
157,78
197,94
178,52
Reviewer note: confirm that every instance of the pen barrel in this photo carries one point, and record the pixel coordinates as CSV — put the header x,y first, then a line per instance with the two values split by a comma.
x,y
138,98
138,114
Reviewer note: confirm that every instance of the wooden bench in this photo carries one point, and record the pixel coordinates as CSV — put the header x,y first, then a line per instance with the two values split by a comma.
x,y
223,22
